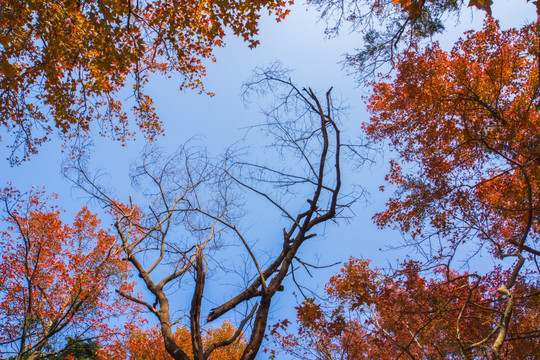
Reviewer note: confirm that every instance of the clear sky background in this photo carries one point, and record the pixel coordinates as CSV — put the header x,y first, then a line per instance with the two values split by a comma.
x,y
299,44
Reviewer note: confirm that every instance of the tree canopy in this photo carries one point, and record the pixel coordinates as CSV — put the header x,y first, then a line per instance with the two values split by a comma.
x,y
63,64
465,125
56,281
370,314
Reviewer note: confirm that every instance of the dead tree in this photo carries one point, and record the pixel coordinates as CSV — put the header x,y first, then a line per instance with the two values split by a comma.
x,y
194,209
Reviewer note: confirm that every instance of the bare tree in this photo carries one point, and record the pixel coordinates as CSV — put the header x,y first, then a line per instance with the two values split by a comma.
x,y
195,207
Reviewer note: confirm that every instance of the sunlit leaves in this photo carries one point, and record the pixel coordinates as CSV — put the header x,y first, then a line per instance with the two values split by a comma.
x,y
64,63
467,123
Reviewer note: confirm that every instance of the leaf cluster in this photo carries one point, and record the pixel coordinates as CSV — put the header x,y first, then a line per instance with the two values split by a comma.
x,y
64,64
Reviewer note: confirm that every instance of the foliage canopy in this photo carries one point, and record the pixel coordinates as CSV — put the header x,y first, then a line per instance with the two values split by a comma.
x,y
57,280
63,63
370,314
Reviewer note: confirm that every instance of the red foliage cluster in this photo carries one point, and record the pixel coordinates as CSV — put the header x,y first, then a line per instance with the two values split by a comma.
x,y
56,280
370,315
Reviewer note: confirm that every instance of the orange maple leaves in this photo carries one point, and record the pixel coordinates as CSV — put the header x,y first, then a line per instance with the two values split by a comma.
x,y
147,344
57,280
64,63
468,119
370,315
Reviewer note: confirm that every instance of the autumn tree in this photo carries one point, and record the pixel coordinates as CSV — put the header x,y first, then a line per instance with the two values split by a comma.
x,y
180,239
147,344
465,124
368,313
64,63
56,280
